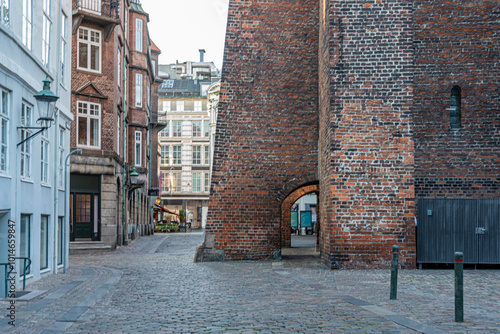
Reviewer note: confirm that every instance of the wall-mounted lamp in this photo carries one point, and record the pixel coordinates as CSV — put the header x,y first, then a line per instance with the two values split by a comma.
x,y
135,182
46,102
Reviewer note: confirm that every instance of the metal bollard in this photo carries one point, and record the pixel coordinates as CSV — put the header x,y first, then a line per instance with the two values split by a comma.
x,y
459,287
394,272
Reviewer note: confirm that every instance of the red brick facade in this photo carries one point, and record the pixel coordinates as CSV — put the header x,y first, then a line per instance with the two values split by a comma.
x,y
351,95
267,132
457,44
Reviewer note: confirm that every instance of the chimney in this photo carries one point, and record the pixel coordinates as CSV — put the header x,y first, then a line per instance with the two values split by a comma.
x,y
202,54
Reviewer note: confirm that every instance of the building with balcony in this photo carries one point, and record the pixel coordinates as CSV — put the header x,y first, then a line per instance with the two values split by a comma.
x,y
35,45
185,140
112,83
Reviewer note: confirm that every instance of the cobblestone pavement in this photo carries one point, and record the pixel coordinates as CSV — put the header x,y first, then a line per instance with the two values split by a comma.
x,y
153,286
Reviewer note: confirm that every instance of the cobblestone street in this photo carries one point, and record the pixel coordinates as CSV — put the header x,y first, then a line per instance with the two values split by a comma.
x,y
154,286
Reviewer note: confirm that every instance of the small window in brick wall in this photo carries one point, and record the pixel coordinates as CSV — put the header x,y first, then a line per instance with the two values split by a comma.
x,y
455,112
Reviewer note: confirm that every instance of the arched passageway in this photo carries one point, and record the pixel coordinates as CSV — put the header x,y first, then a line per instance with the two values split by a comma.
x,y
286,206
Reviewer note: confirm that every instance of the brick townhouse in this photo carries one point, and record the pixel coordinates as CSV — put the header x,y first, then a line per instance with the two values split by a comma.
x,y
113,94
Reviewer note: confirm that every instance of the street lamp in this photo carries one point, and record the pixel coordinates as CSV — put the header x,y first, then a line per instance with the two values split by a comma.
x,y
46,102
135,182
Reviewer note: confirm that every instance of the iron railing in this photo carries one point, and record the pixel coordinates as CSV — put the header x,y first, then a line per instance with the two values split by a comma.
x,y
7,273
110,8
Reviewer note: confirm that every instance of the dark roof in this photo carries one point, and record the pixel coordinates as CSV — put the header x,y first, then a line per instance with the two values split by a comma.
x,y
182,87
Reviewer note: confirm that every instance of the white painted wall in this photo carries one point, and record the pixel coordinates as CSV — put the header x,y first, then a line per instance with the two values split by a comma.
x,y
21,75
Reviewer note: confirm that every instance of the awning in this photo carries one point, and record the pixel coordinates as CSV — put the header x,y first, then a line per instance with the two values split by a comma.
x,y
161,208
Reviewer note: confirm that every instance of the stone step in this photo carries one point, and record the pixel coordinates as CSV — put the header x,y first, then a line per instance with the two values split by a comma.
x,y
87,247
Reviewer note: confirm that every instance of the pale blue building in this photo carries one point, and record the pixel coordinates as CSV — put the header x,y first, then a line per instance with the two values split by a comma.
x,y
35,39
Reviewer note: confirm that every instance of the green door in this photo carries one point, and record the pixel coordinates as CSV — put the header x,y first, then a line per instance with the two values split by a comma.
x,y
85,216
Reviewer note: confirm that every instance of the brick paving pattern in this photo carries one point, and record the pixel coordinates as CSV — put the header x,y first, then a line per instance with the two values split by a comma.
x,y
153,286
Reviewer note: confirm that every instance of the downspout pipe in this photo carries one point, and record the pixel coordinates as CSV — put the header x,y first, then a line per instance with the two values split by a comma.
x,y
124,139
66,215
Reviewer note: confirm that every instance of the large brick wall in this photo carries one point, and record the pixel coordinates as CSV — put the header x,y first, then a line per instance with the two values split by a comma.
x,y
366,146
267,130
457,43
352,95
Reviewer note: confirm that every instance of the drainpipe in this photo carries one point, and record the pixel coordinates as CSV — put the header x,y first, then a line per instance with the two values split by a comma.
x,y
124,130
66,215
56,191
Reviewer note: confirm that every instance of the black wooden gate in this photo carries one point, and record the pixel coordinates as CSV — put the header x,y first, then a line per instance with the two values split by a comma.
x,y
471,226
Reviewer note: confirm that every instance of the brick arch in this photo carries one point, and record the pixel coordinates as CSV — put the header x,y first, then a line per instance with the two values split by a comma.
x,y
297,182
286,206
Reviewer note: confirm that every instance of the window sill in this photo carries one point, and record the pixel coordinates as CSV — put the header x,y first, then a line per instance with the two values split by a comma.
x,y
84,70
5,176
26,180
44,271
89,147
45,185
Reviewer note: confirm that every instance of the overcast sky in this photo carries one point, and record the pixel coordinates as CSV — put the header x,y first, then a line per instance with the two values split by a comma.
x,y
181,27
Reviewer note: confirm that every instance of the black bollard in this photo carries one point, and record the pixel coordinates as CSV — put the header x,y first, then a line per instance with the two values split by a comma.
x,y
459,287
394,272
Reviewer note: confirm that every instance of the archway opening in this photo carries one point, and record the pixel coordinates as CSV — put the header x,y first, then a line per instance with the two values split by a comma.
x,y
300,222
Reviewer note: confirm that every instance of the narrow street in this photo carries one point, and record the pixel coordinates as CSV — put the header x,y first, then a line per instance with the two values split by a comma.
x,y
154,286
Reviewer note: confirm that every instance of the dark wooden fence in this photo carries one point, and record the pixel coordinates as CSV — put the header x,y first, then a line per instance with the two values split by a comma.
x,y
471,226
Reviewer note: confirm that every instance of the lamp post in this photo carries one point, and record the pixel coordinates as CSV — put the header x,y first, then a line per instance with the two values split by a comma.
x,y
46,102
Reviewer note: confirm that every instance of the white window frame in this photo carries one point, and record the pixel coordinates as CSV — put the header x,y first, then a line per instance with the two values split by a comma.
x,y
148,94
165,155
119,67
138,35
138,90
198,105
197,155
179,106
44,241
138,148
118,126
89,44
25,240
177,181
206,155
27,23
4,130
176,125
64,43
88,118
5,7
125,79
167,106
60,240
26,118
206,182
61,157
165,184
165,132
197,132
44,159
178,160
46,29
196,183
206,128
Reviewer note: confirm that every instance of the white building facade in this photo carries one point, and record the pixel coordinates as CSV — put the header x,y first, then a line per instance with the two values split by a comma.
x,y
185,141
35,39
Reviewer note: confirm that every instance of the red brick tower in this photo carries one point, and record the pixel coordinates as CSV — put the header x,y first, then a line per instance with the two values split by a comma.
x,y
358,101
